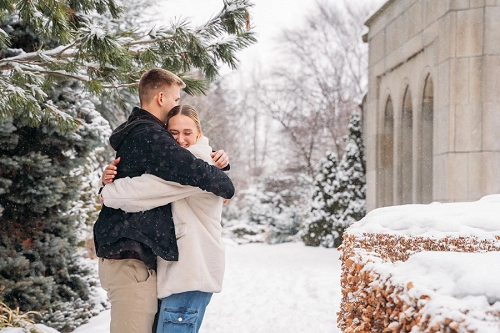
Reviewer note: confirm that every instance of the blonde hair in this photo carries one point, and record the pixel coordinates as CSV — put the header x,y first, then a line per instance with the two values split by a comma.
x,y
185,110
154,81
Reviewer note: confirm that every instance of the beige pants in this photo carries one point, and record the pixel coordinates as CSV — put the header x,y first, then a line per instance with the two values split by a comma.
x,y
131,288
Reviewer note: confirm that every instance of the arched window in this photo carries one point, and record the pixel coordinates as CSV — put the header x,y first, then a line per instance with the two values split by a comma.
x,y
426,142
405,181
385,195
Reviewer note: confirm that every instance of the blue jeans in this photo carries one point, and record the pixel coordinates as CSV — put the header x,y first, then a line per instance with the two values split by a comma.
x,y
183,312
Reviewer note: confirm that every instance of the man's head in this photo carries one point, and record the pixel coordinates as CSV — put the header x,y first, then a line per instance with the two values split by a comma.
x,y
159,91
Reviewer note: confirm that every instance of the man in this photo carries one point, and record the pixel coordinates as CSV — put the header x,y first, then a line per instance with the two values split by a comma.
x,y
127,243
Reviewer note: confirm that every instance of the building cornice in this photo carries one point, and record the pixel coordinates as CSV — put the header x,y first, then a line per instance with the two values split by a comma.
x,y
379,12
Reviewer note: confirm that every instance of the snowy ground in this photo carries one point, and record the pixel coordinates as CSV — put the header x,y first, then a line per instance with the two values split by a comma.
x,y
269,288
293,288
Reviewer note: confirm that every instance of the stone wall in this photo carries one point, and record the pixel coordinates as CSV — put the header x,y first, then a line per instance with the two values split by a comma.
x,y
452,47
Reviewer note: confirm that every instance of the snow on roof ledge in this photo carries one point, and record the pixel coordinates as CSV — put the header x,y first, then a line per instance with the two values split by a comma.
x,y
479,219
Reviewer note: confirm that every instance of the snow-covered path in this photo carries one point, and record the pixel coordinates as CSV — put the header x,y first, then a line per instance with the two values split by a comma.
x,y
284,288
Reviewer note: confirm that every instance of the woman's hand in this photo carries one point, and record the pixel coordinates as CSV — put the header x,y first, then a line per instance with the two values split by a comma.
x,y
109,172
220,158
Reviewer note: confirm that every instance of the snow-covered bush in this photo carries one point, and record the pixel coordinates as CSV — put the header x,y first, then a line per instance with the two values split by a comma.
x,y
248,225
352,176
289,201
339,192
41,178
423,268
270,211
319,227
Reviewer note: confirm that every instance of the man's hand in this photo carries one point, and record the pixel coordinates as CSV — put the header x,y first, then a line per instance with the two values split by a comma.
x,y
220,158
109,172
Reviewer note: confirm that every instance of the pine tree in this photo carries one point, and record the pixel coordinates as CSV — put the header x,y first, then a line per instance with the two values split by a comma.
x,y
340,192
85,40
41,178
318,228
53,57
352,180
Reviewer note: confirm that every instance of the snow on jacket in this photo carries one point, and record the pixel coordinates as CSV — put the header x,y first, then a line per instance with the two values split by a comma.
x,y
146,147
197,217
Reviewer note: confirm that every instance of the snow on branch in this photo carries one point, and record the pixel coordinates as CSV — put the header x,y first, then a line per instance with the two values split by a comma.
x,y
102,50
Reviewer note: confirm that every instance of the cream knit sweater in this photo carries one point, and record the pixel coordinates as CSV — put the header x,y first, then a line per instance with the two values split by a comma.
x,y
197,219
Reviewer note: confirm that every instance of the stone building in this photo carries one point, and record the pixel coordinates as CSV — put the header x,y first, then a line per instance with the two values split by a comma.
x,y
432,112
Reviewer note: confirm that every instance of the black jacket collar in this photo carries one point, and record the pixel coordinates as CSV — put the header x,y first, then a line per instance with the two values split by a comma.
x,y
137,117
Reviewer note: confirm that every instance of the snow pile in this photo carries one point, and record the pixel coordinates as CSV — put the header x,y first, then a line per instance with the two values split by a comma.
x,y
437,220
446,289
423,268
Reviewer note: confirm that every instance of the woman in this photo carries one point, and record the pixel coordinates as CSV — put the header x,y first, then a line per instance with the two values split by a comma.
x,y
185,287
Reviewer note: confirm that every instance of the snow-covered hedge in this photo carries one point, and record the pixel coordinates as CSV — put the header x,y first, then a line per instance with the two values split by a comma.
x,y
270,211
423,268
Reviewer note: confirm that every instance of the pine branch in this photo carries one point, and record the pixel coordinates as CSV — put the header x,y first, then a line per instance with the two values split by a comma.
x,y
109,57
4,39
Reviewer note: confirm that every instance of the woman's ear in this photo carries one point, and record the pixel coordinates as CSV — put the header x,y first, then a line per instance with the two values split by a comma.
x,y
198,137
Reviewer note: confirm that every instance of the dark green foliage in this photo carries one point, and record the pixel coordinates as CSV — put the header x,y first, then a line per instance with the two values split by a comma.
x,y
324,206
340,192
352,176
40,180
43,39
54,56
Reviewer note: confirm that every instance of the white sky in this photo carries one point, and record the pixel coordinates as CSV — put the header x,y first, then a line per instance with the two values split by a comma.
x,y
269,18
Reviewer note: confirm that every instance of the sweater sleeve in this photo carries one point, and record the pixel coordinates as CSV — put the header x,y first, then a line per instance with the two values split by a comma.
x,y
144,192
163,157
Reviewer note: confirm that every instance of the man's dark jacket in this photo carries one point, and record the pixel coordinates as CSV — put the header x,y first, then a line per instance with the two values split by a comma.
x,y
145,146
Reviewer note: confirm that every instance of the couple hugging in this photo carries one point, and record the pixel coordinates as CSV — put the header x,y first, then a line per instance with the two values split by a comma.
x,y
158,235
